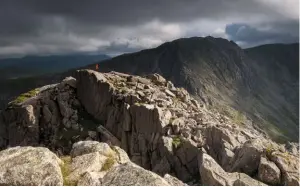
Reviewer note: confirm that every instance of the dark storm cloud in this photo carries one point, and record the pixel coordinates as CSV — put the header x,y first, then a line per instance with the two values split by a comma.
x,y
52,26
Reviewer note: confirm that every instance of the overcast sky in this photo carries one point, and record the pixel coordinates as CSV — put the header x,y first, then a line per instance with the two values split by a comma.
x,y
118,26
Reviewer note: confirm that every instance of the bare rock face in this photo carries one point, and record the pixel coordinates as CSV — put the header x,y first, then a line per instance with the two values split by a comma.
x,y
20,126
29,166
149,122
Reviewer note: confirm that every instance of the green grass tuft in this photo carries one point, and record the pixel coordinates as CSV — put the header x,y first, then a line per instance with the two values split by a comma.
x,y
176,141
24,96
109,162
66,170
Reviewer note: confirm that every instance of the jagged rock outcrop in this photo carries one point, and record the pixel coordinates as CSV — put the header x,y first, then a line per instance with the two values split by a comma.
x,y
159,126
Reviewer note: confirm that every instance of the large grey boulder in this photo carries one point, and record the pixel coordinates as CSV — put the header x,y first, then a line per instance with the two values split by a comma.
x,y
247,158
91,162
85,147
268,172
29,166
289,167
212,174
129,174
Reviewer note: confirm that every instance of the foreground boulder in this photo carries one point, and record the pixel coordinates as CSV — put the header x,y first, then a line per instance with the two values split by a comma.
x,y
97,164
29,166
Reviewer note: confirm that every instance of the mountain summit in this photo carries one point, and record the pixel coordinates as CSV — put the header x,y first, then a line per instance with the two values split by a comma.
x,y
259,83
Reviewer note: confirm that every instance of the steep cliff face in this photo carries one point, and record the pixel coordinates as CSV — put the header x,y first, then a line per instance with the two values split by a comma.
x,y
259,83
161,127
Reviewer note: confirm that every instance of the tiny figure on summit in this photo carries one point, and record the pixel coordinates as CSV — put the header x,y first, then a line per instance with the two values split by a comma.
x,y
97,67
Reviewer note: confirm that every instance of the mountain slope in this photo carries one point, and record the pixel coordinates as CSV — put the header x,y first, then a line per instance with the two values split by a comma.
x,y
230,79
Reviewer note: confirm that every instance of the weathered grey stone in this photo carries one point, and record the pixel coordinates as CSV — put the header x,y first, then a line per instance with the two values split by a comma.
x,y
91,162
29,166
65,110
157,79
86,147
71,81
121,155
177,124
148,118
268,172
162,167
108,136
211,173
169,93
21,126
247,158
173,181
92,134
47,114
91,179
289,167
244,180
75,126
129,174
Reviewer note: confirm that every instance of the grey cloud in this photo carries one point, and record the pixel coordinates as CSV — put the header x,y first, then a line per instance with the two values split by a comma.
x,y
52,26
249,36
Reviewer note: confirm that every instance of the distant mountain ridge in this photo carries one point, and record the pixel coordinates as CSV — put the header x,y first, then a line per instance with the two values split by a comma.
x,y
38,65
260,83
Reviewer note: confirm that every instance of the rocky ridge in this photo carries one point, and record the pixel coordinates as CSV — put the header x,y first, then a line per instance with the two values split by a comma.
x,y
162,129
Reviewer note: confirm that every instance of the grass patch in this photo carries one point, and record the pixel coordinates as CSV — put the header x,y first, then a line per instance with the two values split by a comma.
x,y
236,116
269,150
109,162
24,96
172,119
176,141
66,170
